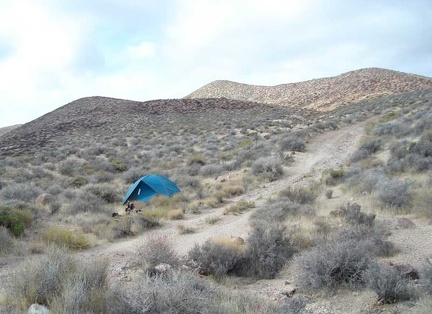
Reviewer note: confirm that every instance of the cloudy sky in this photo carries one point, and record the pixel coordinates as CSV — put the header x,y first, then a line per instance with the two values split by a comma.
x,y
55,51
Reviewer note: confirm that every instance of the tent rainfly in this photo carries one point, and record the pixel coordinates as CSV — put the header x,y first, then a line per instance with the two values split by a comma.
x,y
149,186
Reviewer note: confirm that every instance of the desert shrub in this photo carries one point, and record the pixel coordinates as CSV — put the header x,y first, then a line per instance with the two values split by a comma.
x,y
70,167
155,250
371,146
86,291
122,227
426,276
267,251
20,192
233,190
366,149
182,229
182,292
6,240
216,257
15,220
61,283
395,193
54,189
118,165
54,207
295,305
277,209
301,195
373,237
270,168
42,281
211,170
104,191
293,143
334,176
65,238
393,128
332,264
353,215
87,202
388,283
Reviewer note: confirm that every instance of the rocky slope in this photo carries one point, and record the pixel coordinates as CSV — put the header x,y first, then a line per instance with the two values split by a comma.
x,y
321,94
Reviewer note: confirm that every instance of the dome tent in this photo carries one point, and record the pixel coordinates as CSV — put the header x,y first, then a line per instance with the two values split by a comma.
x,y
149,186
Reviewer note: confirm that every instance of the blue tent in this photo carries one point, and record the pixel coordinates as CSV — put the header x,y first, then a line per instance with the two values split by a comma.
x,y
147,187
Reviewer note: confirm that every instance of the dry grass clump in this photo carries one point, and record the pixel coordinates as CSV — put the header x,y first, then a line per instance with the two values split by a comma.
x,y
175,214
65,238
238,207
212,220
182,229
62,283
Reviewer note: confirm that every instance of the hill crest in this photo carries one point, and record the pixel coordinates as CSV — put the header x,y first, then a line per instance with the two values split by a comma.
x,y
320,94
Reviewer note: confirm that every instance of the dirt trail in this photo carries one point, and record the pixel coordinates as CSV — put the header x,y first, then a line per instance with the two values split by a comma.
x,y
327,150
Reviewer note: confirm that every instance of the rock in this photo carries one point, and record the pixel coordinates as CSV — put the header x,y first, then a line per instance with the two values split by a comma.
x,y
405,223
37,309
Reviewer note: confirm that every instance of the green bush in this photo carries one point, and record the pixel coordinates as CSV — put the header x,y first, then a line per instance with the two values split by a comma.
x,y
118,165
15,220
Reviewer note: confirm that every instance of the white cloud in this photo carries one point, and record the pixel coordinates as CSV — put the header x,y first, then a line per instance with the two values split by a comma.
x,y
55,51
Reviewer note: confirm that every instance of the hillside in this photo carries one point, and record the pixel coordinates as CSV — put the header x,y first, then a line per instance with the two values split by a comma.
x,y
99,117
321,94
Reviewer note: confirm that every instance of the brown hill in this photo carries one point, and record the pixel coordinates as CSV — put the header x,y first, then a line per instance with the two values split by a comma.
x,y
321,94
98,118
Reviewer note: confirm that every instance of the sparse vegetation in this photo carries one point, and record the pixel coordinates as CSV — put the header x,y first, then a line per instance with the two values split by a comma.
x,y
215,150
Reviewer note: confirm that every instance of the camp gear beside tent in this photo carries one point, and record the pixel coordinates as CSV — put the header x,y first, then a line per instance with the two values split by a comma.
x,y
149,186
